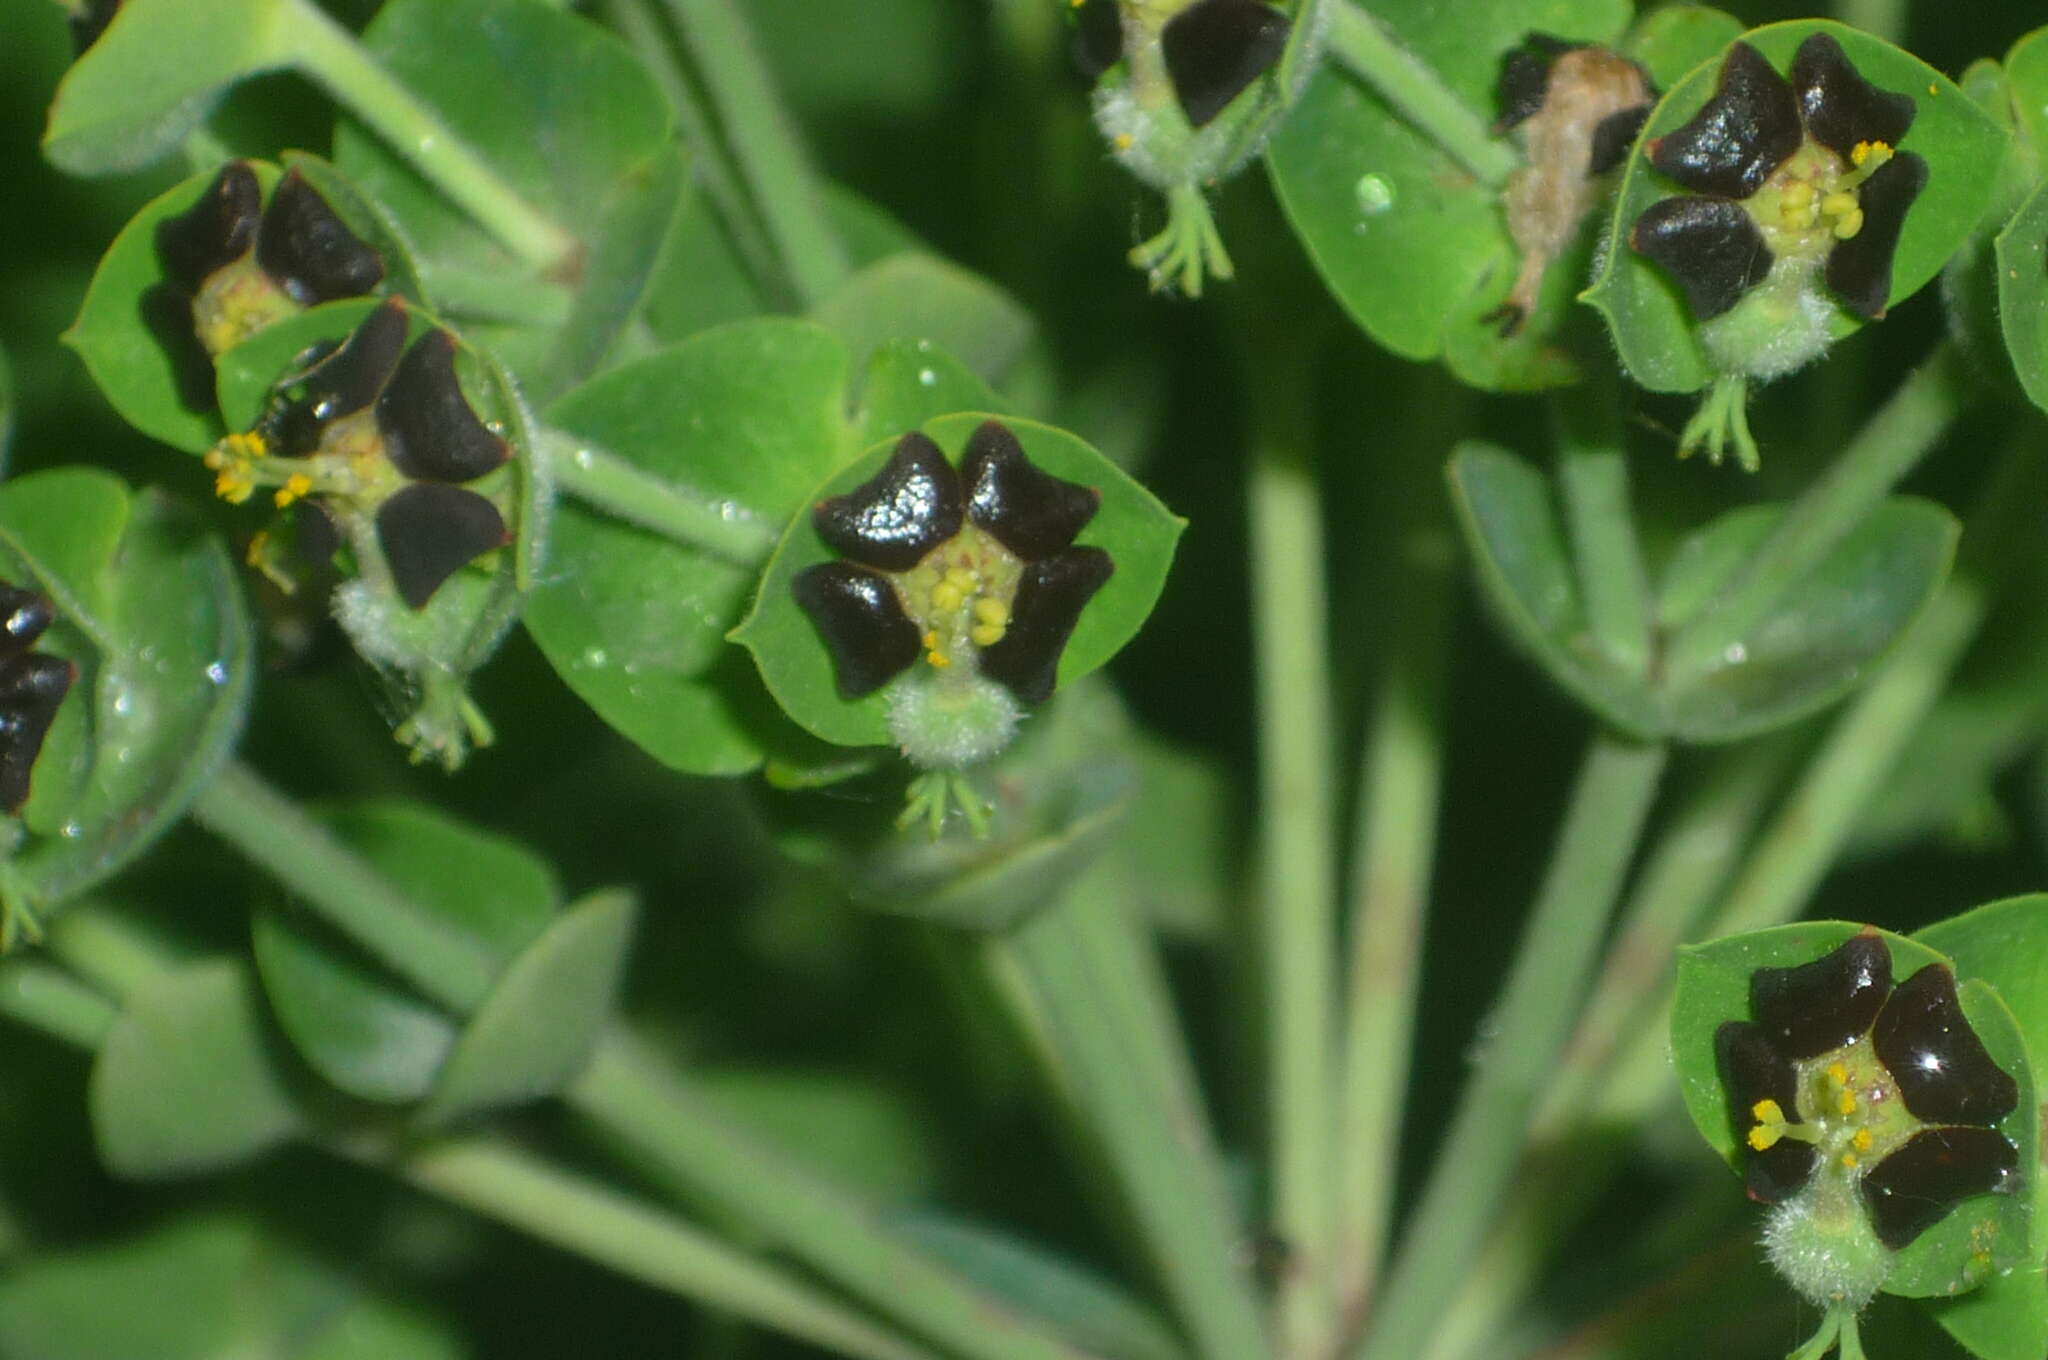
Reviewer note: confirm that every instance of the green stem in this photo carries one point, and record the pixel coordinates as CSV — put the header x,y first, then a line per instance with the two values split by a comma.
x,y
765,143
1885,18
1417,93
1297,867
636,21
499,1182
676,1135
273,832
47,998
1885,450
609,483
1398,806
1097,995
1592,475
330,55
1524,1034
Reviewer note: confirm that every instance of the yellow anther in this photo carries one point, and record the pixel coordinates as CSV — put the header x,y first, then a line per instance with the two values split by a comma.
x,y
932,652
1849,224
295,486
947,596
234,485
1125,141
987,634
1763,1138
1838,1072
1849,1160
1862,1140
992,611
1838,203
1847,1103
1770,1125
1863,152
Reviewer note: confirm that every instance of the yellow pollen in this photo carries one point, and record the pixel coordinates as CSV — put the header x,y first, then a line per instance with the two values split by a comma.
x,y
234,485
932,652
946,595
1849,1160
991,611
1864,151
1770,1125
1798,193
1838,1071
1124,141
1764,1139
1847,1104
1849,224
295,486
987,634
1862,1140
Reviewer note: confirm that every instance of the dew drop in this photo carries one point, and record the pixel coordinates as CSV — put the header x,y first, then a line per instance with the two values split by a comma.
x,y
72,831
1736,654
927,378
1374,193
217,673
595,656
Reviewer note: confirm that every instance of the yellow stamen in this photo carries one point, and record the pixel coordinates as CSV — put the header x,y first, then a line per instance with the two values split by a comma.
x,y
1849,224
1847,1104
1838,1071
1849,1160
1865,151
258,548
991,611
1770,1125
1838,203
1862,1140
295,486
234,485
987,634
946,596
932,653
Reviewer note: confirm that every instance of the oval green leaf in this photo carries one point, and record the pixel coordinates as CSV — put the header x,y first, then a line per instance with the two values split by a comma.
x,y
191,1077
1136,530
1652,327
534,1032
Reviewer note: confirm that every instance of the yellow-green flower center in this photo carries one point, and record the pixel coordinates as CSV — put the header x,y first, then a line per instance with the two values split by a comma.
x,y
1812,200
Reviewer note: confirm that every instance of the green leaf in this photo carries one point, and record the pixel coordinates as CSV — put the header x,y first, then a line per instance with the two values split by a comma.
x,y
1652,327
1713,987
570,121
156,75
1138,532
2005,944
1412,246
1092,1314
745,418
354,1023
6,408
1824,635
2021,251
191,1077
164,683
917,296
533,1033
1671,41
2026,67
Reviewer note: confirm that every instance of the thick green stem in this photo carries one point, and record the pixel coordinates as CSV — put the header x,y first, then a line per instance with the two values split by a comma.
x,y
609,483
1394,851
1297,863
676,1135
1524,1033
329,54
765,143
1416,93
274,833
1592,476
1885,450
1098,1002
500,1182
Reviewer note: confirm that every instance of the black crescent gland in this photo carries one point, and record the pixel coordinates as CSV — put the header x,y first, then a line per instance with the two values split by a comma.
x,y
1028,510
1710,246
214,232
429,532
430,432
893,519
1917,1186
868,636
1747,129
1820,1006
1859,270
309,250
1839,106
1941,1067
32,685
1215,49
1050,597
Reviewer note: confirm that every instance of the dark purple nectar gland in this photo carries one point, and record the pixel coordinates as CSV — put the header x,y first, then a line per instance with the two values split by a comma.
x,y
32,685
244,266
1800,197
381,435
1866,1115
1577,109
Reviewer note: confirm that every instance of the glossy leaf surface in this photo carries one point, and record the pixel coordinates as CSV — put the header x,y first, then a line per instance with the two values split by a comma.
x,y
1647,315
